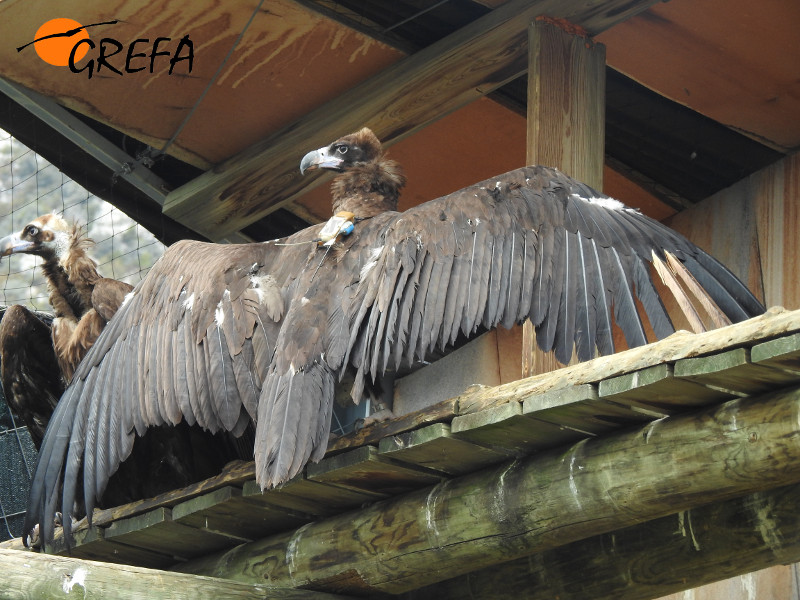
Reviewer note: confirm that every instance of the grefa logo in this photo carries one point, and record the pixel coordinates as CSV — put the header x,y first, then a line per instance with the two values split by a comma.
x,y
65,42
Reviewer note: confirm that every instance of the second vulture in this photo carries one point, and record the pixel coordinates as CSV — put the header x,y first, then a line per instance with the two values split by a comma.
x,y
220,335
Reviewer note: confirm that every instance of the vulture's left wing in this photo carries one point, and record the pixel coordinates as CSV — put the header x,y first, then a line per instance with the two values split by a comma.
x,y
532,243
192,342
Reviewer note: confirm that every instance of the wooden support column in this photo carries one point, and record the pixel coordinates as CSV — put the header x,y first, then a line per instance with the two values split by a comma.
x,y
531,505
566,123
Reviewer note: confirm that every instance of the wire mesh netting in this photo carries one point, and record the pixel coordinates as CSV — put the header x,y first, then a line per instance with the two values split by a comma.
x,y
30,187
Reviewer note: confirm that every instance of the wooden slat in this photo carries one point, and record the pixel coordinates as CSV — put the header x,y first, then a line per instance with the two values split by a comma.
x,y
367,471
433,447
226,512
656,389
520,434
581,409
506,429
733,371
157,532
458,69
91,544
311,497
782,353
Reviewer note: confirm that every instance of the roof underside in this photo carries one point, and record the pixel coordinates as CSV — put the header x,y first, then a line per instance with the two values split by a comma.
x,y
698,96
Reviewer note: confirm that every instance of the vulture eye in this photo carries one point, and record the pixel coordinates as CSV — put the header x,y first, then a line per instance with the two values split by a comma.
x,y
341,149
32,230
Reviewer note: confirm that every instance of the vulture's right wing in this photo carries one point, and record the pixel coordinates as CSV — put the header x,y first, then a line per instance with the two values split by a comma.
x,y
532,243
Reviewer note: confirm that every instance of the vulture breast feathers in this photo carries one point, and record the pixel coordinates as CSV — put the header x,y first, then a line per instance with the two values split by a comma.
x,y
222,334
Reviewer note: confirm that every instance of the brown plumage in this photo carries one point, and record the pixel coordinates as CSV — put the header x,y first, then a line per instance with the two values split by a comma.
x,y
222,334
83,301
37,360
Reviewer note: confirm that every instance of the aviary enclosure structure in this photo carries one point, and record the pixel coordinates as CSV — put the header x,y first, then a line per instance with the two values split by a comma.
x,y
658,470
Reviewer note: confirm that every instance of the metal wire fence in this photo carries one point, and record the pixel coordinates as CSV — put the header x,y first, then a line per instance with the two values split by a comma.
x,y
30,187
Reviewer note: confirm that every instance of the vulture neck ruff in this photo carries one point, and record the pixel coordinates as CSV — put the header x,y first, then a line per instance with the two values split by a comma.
x,y
368,189
70,273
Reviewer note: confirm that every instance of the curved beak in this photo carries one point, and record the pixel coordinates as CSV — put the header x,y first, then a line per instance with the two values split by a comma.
x,y
320,159
12,244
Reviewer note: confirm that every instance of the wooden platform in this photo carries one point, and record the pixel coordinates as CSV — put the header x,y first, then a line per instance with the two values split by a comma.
x,y
482,428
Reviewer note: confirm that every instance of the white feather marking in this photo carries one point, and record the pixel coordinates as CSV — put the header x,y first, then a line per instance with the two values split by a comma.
x,y
371,261
610,203
260,283
189,302
126,299
219,314
304,301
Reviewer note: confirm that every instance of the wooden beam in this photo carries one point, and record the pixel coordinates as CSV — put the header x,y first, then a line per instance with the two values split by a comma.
x,y
566,101
533,504
31,575
566,124
651,560
395,103
88,140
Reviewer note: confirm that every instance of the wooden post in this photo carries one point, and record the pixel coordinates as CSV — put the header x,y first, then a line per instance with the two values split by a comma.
x,y
660,557
566,123
30,575
534,504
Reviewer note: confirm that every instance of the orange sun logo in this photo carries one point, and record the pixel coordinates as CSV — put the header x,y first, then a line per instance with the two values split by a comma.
x,y
56,38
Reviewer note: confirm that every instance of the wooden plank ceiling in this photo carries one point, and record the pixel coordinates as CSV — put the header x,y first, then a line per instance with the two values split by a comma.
x,y
699,95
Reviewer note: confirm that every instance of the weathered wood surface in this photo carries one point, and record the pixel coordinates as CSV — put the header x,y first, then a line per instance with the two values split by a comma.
x,y
762,210
458,69
566,124
540,413
29,576
566,101
659,557
776,322
534,504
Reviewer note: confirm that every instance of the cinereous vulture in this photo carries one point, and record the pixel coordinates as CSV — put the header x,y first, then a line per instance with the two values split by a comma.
x,y
222,334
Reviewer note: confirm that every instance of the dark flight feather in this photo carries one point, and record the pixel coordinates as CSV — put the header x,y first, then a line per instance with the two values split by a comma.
x,y
263,330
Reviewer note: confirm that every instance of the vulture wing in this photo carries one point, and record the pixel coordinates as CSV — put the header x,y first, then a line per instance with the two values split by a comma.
x,y
532,243
188,343
29,370
219,335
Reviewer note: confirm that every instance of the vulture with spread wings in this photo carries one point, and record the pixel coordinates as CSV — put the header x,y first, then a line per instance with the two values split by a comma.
x,y
220,335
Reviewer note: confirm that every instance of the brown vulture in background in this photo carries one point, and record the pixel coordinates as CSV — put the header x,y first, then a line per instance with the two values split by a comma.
x,y
220,335
37,360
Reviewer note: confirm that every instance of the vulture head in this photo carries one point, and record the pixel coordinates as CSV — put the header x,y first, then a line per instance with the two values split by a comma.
x,y
48,236
368,183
